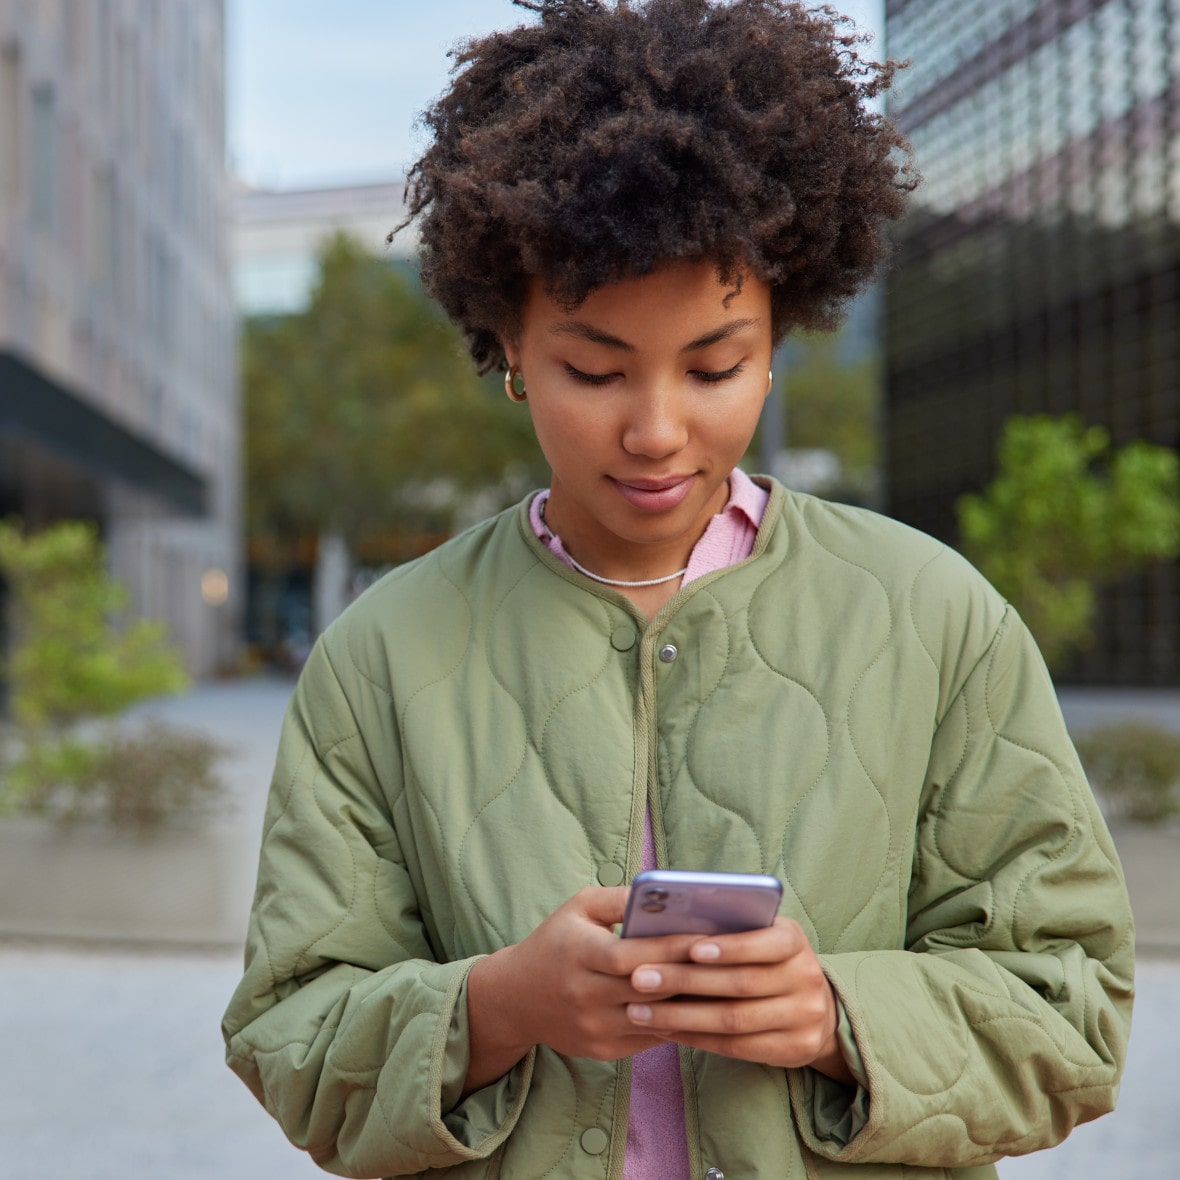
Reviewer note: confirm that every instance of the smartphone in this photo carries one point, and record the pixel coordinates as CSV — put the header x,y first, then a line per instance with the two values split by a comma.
x,y
672,901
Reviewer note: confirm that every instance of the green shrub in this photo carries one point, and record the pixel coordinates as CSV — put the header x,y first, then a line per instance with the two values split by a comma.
x,y
78,660
133,778
1134,768
1065,513
77,653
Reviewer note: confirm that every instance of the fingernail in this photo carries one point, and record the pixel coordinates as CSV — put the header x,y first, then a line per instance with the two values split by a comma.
x,y
639,1012
706,950
648,979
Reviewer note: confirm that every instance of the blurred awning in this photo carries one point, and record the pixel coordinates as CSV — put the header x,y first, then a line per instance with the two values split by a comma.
x,y
38,410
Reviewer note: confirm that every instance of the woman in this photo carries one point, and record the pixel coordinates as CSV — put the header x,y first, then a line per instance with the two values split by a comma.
x,y
662,661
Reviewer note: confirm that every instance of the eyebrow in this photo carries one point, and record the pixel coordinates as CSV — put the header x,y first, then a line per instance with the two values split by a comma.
x,y
719,334
584,331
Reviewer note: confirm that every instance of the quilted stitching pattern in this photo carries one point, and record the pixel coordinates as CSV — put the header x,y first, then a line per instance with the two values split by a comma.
x,y
851,710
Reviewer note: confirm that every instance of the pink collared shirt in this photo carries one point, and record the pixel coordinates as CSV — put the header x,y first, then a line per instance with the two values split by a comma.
x,y
728,538
657,1140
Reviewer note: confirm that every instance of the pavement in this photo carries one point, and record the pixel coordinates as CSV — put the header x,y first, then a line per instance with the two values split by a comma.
x,y
1085,708
1150,855
112,1066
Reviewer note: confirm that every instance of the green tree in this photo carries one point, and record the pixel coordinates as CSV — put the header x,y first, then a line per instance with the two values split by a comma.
x,y
364,412
1065,513
831,404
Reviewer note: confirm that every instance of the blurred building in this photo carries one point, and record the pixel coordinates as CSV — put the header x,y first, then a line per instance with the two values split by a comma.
x,y
278,235
1039,267
118,384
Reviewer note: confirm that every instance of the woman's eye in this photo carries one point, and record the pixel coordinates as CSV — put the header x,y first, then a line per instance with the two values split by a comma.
x,y
707,376
588,378
713,378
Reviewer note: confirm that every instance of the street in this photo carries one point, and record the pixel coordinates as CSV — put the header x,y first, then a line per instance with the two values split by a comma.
x,y
112,1070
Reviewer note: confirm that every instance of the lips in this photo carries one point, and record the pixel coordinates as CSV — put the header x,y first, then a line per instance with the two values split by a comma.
x,y
655,495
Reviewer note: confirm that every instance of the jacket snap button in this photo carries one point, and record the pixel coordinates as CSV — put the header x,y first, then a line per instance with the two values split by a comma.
x,y
668,653
622,639
596,1141
610,874
714,1174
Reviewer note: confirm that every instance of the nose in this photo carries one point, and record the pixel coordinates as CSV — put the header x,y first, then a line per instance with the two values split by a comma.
x,y
656,425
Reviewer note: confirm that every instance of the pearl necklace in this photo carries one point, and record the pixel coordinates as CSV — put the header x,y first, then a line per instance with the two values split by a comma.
x,y
598,577
616,582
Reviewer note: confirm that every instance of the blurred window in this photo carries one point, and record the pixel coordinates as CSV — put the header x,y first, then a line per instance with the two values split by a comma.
x,y
107,230
43,158
11,151
168,280
73,16
102,50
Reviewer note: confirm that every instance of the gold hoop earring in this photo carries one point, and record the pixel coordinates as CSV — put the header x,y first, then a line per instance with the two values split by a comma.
x,y
771,385
510,385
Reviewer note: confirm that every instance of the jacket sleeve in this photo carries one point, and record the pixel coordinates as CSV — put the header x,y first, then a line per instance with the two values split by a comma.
x,y
1004,1021
344,1025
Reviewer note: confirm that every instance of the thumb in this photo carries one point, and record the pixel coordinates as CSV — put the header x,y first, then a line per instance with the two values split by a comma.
x,y
604,905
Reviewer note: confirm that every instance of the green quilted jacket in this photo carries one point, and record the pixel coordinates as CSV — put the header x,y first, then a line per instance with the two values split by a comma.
x,y
852,709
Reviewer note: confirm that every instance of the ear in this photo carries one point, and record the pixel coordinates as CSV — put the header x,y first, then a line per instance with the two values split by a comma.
x,y
511,352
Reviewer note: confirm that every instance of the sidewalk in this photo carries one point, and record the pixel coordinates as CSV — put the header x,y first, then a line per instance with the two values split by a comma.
x,y
1087,708
1150,855
113,1070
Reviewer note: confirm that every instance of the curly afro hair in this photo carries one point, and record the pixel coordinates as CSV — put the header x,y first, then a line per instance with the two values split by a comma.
x,y
609,138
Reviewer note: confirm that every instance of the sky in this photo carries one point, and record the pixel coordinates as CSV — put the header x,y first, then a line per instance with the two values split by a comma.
x,y
326,94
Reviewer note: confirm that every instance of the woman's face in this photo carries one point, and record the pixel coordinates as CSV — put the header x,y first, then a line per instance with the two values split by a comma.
x,y
643,399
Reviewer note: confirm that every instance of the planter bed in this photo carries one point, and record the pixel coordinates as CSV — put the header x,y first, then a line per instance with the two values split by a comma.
x,y
83,881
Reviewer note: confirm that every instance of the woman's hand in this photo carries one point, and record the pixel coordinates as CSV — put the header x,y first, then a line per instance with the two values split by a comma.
x,y
567,985
760,996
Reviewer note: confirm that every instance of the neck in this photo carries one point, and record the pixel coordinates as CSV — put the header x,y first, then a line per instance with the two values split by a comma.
x,y
651,575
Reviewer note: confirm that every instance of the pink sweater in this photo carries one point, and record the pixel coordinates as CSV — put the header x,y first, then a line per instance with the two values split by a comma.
x,y
657,1146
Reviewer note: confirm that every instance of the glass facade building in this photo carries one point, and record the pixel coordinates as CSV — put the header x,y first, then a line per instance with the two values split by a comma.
x,y
1038,270
118,370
